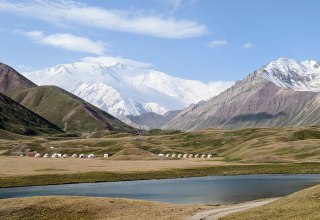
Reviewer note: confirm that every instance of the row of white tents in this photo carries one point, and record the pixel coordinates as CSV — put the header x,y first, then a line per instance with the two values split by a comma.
x,y
185,156
58,155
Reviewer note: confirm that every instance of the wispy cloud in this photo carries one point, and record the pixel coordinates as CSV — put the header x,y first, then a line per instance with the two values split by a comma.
x,y
60,12
24,68
175,4
68,42
218,43
247,45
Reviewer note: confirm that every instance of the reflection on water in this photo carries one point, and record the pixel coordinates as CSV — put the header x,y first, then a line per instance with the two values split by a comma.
x,y
198,190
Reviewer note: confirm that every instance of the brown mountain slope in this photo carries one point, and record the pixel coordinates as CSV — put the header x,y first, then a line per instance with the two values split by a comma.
x,y
252,102
68,111
11,80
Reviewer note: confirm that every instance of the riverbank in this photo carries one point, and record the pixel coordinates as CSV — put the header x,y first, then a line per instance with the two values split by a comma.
x,y
92,208
90,177
301,205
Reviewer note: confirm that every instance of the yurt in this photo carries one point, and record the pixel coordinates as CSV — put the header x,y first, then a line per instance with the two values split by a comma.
x,y
91,156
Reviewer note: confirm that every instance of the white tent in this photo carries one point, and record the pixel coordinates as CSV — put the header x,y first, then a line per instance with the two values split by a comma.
x,y
65,156
37,155
55,155
82,156
91,156
74,156
46,155
106,155
191,156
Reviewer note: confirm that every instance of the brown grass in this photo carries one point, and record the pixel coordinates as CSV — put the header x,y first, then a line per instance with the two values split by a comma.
x,y
22,166
91,208
301,205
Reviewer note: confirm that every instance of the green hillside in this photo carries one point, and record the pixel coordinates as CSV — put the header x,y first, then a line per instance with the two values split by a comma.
x,y
68,111
18,119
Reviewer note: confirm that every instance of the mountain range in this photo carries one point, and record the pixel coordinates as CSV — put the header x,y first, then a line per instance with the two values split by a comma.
x,y
284,92
124,87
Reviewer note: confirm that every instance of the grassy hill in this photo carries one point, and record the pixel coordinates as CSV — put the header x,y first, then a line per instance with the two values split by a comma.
x,y
134,153
301,205
18,119
51,207
67,110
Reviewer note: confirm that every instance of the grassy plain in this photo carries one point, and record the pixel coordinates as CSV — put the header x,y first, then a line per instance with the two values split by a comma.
x,y
136,170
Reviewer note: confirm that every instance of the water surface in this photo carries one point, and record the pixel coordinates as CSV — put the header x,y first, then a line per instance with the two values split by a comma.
x,y
195,190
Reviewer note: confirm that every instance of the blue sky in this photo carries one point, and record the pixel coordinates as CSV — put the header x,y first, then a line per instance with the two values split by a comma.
x,y
208,40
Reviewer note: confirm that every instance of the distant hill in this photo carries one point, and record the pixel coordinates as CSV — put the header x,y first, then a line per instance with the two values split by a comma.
x,y
18,119
68,111
150,120
11,80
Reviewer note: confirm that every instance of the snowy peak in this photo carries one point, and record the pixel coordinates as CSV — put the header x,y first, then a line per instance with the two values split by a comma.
x,y
125,87
107,98
296,75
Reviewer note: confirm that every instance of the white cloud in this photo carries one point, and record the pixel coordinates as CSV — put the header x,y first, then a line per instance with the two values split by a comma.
x,y
247,45
62,12
218,43
104,60
220,86
67,42
24,68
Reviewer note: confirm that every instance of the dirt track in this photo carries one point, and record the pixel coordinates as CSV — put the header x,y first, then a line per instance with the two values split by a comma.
x,y
215,214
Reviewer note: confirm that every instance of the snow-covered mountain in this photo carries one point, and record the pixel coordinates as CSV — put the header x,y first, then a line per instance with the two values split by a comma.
x,y
125,87
284,92
296,75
